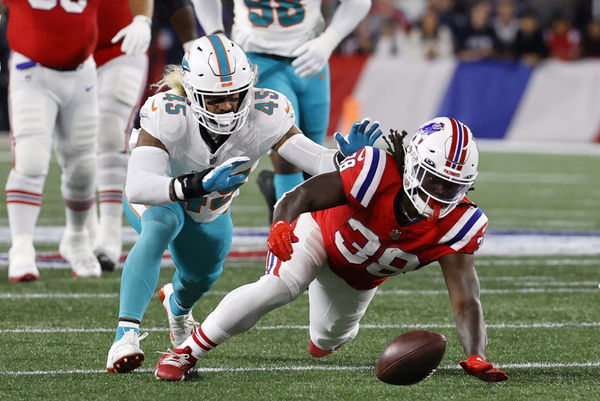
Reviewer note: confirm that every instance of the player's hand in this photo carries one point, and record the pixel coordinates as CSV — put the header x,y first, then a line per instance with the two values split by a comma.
x,y
312,56
363,133
280,239
136,36
483,370
219,178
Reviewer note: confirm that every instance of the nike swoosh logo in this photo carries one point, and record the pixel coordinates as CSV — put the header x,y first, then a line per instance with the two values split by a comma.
x,y
153,106
287,107
89,88
322,76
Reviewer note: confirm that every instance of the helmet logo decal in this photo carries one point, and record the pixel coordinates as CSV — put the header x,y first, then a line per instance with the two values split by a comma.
x,y
185,65
430,129
458,148
222,60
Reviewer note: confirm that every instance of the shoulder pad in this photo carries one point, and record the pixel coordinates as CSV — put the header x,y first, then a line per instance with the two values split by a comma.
x,y
164,116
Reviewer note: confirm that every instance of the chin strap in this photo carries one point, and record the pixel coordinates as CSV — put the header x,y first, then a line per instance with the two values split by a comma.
x,y
435,215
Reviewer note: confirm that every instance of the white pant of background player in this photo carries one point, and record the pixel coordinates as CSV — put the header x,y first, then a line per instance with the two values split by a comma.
x,y
121,84
51,108
335,307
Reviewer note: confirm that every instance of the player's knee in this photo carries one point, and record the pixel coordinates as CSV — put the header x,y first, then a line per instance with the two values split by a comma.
x,y
277,291
32,156
161,221
79,177
111,134
330,338
201,283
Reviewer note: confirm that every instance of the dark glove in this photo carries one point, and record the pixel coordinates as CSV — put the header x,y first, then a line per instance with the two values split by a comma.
x,y
214,179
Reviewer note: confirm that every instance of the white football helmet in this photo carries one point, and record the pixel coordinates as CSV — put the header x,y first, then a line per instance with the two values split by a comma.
x,y
216,66
440,166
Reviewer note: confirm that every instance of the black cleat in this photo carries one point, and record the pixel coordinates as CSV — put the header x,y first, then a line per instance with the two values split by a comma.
x,y
106,264
267,188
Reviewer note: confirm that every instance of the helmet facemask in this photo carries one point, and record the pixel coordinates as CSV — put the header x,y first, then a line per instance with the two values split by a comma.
x,y
225,123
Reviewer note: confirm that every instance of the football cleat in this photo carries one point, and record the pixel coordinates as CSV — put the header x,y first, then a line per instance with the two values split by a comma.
x,y
180,327
317,352
21,260
108,244
125,355
267,188
173,365
75,248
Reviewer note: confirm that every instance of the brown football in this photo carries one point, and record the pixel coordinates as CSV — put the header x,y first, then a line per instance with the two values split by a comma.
x,y
411,357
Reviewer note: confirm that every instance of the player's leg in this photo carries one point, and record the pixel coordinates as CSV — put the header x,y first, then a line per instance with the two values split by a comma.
x,y
277,75
314,100
243,307
157,226
121,83
335,312
198,253
75,148
33,114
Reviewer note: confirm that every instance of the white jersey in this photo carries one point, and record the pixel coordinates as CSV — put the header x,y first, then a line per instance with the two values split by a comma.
x,y
276,27
168,118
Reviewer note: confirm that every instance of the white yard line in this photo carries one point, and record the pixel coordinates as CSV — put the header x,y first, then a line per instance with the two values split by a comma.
x,y
528,365
592,288
499,326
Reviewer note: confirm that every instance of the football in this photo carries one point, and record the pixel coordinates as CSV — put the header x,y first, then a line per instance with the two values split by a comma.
x,y
411,357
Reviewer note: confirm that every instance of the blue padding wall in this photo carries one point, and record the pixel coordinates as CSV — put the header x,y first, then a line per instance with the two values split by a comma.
x,y
485,96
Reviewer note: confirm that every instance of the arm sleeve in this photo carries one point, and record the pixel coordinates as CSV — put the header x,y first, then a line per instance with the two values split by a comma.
x,y
345,19
308,155
210,15
146,182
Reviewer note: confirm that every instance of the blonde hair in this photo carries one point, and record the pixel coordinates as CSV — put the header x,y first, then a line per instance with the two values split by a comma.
x,y
172,79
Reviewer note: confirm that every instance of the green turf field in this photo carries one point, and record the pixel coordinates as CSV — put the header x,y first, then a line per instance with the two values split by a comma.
x,y
542,313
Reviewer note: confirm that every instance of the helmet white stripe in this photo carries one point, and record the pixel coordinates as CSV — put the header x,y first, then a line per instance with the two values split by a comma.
x,y
370,175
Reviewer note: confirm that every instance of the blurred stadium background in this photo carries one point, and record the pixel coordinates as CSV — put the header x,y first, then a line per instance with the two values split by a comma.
x,y
536,113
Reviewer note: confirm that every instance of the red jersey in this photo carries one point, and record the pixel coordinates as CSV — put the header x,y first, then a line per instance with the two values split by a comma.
x,y
365,245
56,34
113,16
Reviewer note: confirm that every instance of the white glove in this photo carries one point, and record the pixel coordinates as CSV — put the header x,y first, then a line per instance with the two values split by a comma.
x,y
136,36
312,56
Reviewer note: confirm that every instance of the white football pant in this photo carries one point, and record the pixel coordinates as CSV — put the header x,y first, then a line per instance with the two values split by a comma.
x,y
335,307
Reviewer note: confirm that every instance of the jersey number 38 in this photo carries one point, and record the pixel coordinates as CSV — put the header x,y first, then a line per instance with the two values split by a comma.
x,y
361,245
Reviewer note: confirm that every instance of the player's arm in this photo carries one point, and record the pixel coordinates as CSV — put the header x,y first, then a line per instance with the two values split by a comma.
x,y
142,7
313,55
210,15
182,19
146,181
463,287
315,159
320,192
